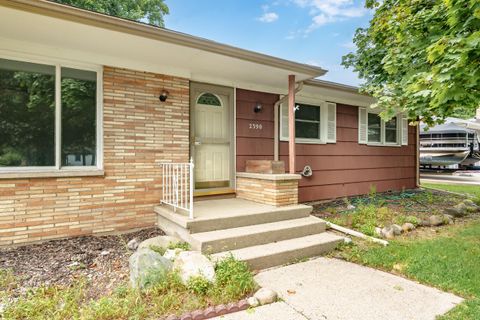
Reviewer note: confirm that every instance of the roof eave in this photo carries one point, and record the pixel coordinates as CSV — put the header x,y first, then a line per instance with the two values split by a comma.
x,y
70,13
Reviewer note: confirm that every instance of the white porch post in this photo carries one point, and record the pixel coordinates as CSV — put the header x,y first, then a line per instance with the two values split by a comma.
x,y
291,123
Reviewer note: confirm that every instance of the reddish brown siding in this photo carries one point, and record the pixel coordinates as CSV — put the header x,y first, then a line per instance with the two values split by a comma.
x,y
341,169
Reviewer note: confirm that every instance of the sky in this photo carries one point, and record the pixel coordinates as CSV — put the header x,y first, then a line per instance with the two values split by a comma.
x,y
317,32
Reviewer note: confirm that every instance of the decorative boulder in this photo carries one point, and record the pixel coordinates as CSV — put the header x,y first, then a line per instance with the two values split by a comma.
x,y
461,209
407,226
160,241
265,296
172,254
192,264
133,244
397,230
147,267
388,232
253,302
436,220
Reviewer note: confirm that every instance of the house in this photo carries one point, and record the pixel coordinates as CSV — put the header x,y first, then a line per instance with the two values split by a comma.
x,y
102,118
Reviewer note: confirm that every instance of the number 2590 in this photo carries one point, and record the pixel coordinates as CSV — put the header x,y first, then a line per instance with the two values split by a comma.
x,y
255,126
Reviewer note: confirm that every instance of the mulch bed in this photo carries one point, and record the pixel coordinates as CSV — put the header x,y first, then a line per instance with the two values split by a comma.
x,y
403,203
103,260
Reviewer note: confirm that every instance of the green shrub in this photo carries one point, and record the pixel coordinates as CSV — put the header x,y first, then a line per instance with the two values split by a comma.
x,y
158,249
234,277
179,245
199,285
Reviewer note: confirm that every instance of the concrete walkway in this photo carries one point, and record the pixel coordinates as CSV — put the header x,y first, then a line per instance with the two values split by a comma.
x,y
333,289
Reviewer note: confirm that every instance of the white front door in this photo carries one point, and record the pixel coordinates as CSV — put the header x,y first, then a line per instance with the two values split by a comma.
x,y
212,134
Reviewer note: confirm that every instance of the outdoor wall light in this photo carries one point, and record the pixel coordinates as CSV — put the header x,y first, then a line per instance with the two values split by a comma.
x,y
163,96
258,108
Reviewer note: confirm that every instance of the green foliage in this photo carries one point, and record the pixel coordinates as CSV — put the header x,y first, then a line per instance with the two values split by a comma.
x,y
168,295
50,302
198,285
450,262
179,245
421,57
234,277
367,217
139,10
157,249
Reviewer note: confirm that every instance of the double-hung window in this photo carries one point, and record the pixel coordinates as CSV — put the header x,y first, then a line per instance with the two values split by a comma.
x,y
375,131
313,123
49,117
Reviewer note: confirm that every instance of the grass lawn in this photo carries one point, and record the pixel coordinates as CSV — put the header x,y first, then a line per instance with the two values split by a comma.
x,y
450,261
458,188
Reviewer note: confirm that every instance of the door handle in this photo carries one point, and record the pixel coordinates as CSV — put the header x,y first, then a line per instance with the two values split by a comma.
x,y
197,143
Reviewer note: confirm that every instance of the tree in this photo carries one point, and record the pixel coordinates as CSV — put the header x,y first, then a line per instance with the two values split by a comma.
x,y
140,10
421,57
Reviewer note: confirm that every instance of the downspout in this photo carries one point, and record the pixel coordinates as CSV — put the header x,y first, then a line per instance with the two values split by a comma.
x,y
276,121
417,154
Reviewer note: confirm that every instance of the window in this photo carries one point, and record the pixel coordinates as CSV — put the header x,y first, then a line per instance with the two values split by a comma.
x,y
391,130
373,130
33,134
27,114
209,99
313,123
307,121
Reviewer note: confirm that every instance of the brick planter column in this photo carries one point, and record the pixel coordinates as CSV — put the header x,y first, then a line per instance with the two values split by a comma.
x,y
272,189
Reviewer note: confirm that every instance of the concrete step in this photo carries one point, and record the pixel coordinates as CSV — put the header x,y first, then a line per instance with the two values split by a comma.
x,y
241,237
224,217
282,252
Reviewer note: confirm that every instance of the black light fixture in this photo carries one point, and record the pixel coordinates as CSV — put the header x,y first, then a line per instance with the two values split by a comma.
x,y
258,107
163,96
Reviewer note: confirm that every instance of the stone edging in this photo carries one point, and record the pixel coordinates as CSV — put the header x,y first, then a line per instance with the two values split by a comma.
x,y
212,312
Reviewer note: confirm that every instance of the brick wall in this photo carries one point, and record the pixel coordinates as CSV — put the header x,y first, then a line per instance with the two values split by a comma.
x,y
275,192
139,133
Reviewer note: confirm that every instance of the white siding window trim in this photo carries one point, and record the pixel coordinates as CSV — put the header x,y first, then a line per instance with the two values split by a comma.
x,y
402,130
328,122
57,169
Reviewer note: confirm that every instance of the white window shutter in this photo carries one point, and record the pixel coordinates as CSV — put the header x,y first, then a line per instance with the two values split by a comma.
x,y
331,122
284,121
404,131
362,125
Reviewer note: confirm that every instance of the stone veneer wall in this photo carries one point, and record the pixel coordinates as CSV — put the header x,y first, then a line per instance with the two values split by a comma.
x,y
139,133
280,192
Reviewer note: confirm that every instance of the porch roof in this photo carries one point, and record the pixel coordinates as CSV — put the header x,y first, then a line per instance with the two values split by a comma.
x,y
52,29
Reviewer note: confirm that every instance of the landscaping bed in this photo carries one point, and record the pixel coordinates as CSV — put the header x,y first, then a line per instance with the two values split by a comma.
x,y
116,277
102,260
374,214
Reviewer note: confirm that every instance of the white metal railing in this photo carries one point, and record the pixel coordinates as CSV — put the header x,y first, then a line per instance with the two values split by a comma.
x,y
177,186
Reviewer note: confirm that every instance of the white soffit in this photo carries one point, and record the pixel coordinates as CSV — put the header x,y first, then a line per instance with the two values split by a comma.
x,y
25,33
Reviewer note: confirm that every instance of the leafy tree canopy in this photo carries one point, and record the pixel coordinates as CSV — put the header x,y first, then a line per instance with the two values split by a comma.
x,y
421,57
140,10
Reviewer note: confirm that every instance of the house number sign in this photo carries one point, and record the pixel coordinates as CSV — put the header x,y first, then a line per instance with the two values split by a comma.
x,y
255,126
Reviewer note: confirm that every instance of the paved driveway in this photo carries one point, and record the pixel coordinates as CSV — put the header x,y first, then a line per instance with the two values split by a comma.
x,y
333,289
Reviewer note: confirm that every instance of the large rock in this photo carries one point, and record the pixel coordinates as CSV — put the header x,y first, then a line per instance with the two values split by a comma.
x,y
461,209
388,232
160,241
397,230
407,226
192,264
265,296
147,267
172,254
133,244
436,220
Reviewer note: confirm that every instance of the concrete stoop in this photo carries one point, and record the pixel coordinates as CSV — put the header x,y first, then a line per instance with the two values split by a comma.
x,y
263,236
